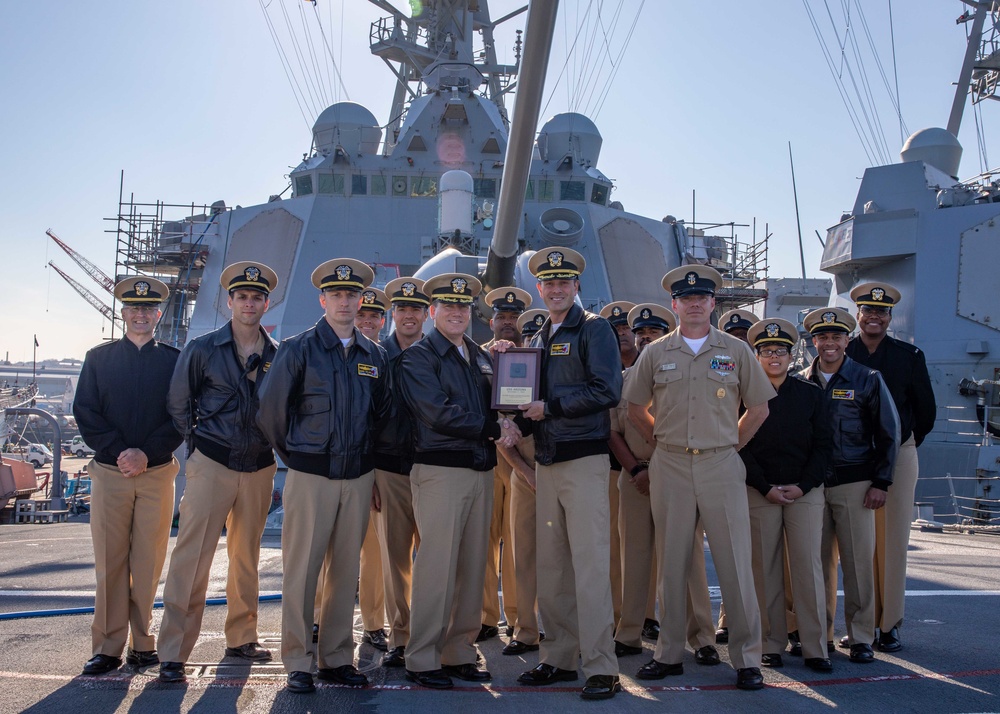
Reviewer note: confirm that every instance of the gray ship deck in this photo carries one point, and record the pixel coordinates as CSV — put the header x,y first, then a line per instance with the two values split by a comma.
x,y
949,663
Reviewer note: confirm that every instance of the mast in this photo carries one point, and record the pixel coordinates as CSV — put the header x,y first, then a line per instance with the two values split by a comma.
x,y
965,78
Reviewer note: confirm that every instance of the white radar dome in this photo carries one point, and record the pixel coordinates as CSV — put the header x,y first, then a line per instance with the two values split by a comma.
x,y
572,134
935,146
347,124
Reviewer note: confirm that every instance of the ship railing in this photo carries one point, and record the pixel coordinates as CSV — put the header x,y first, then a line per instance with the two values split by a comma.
x,y
952,512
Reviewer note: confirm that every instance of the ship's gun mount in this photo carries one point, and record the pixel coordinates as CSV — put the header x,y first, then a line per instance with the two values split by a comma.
x,y
984,390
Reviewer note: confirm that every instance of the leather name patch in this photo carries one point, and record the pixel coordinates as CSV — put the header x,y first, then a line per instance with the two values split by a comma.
x,y
843,394
367,370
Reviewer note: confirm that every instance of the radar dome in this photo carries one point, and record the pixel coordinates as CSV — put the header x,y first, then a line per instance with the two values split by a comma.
x,y
349,125
570,134
935,146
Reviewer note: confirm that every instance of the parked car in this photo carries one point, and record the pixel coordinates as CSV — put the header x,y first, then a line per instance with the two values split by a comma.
x,y
38,455
77,447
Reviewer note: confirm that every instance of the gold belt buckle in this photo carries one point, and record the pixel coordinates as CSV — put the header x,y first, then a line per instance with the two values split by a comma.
x,y
696,452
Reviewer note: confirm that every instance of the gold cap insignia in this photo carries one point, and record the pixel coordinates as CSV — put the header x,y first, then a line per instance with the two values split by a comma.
x,y
772,329
645,314
252,274
368,297
142,288
409,289
343,272
555,259
692,278
539,320
511,297
616,311
878,294
829,317
458,285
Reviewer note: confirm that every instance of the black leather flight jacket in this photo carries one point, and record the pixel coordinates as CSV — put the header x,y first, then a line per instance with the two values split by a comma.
x,y
448,400
581,381
214,404
393,450
864,422
320,407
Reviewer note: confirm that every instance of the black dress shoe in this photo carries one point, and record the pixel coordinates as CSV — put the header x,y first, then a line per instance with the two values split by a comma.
x,y
315,632
141,660
889,641
819,664
346,674
376,638
651,629
546,674
432,679
396,657
469,672
601,686
624,650
300,683
844,643
516,647
862,653
749,678
487,632
251,651
794,644
172,673
101,664
658,670
707,655
771,660
509,631
722,636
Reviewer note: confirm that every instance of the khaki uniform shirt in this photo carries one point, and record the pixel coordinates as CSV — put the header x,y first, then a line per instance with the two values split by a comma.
x,y
641,449
696,398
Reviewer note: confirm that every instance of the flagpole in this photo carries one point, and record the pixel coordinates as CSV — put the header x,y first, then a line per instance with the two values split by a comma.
x,y
34,360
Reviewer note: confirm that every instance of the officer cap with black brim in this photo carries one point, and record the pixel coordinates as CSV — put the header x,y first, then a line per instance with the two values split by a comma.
x,y
875,294
374,299
343,274
829,319
141,291
557,263
508,300
649,314
692,280
531,321
617,312
407,291
737,319
453,288
248,275
772,330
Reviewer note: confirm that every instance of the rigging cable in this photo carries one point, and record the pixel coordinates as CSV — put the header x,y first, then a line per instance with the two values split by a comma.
x,y
867,99
589,106
320,85
329,51
569,53
306,79
893,96
895,74
296,92
614,73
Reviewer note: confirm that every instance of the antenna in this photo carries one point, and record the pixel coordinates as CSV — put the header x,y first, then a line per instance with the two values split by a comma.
x,y
798,223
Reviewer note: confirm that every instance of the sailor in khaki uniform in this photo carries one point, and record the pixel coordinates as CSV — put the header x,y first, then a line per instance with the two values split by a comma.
x,y
327,390
121,409
371,589
508,304
617,314
696,378
522,520
904,369
230,472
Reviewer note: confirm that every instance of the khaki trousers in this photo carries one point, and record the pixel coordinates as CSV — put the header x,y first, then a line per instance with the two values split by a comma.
x,y
892,538
637,552
371,589
215,498
573,534
849,528
452,507
615,568
522,534
500,561
398,537
325,523
800,527
130,526
700,626
711,486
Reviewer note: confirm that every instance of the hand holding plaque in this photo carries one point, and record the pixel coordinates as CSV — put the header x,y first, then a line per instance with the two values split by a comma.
x,y
517,374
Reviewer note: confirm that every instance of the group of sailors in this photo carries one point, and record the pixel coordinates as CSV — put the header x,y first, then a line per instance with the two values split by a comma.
x,y
652,429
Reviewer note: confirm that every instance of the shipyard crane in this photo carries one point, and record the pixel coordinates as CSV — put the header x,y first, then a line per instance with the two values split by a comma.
x,y
96,274
95,301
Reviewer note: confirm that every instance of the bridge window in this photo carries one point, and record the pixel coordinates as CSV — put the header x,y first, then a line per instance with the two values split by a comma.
x,y
423,187
303,185
484,188
331,184
572,190
359,185
546,190
378,185
599,194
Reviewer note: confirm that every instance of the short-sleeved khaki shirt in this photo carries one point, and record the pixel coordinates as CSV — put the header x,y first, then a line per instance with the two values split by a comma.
x,y
641,449
696,398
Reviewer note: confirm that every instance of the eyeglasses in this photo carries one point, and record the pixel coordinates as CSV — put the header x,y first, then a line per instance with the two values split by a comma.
x,y
875,310
143,308
776,352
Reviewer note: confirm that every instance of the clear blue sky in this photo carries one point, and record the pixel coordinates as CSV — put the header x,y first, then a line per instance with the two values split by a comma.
x,y
189,98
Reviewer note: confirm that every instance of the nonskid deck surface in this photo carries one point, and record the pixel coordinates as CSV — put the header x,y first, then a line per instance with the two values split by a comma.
x,y
949,662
